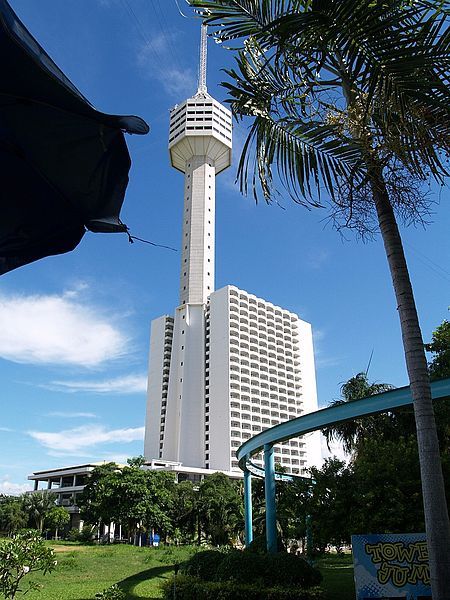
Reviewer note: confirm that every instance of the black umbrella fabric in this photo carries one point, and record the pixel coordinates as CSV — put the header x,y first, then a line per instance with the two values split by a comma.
x,y
64,165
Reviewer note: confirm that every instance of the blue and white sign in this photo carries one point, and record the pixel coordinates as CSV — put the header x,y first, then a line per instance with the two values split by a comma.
x,y
391,566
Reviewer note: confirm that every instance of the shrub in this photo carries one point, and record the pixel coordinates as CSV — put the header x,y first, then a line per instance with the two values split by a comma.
x,y
191,588
270,569
204,564
84,536
73,535
249,567
24,554
112,593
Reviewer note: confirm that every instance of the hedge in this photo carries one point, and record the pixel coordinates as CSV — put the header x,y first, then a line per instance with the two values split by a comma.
x,y
192,588
269,570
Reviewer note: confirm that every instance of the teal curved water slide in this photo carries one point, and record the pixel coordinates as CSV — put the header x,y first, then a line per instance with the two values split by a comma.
x,y
300,426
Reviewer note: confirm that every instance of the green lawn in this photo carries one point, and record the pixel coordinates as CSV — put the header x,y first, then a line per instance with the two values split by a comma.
x,y
84,570
337,571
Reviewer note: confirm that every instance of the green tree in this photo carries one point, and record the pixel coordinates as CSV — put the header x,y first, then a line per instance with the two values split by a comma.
x,y
144,499
184,511
57,518
98,502
387,487
136,461
352,97
13,516
354,432
440,347
38,505
135,497
26,553
331,504
220,509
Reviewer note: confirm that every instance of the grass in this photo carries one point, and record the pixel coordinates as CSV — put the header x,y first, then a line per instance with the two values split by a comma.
x,y
337,571
83,571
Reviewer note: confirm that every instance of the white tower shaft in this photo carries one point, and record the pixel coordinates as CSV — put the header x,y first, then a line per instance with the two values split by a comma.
x,y
197,257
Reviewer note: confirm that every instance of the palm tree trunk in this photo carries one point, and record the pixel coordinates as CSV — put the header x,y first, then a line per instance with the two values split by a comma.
x,y
437,523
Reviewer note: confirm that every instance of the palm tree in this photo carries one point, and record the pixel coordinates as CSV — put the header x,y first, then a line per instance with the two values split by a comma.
x,y
353,433
38,505
351,97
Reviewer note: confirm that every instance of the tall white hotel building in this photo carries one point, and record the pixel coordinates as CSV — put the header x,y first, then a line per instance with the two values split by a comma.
x,y
228,364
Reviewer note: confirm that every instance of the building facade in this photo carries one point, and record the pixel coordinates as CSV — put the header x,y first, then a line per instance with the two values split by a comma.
x,y
227,364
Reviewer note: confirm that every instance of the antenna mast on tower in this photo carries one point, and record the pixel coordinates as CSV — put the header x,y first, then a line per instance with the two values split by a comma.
x,y
202,67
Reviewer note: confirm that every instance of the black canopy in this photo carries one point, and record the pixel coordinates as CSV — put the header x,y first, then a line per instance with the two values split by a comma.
x,y
64,165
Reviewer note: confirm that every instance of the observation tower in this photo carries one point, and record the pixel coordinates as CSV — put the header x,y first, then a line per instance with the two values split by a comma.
x,y
200,136
227,365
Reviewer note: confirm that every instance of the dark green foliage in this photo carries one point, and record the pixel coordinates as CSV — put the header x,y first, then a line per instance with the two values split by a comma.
x,y
330,503
85,536
38,505
129,495
190,588
387,493
185,512
440,347
204,565
220,509
246,567
279,569
354,432
13,515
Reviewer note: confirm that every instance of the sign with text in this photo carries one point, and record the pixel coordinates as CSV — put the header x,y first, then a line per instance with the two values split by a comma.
x,y
391,566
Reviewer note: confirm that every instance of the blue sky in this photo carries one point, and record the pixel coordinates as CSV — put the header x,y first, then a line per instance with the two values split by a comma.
x,y
74,329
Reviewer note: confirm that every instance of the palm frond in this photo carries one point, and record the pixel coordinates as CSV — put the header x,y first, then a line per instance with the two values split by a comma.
x,y
300,149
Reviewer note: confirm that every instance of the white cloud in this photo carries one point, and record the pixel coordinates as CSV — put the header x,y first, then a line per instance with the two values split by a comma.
x,y
321,359
6,429
71,415
128,384
336,450
315,258
12,489
79,439
52,329
156,61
